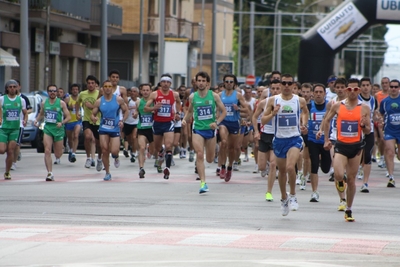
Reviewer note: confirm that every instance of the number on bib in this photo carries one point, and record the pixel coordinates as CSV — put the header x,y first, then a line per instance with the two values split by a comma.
x,y
204,112
146,120
50,116
12,115
164,111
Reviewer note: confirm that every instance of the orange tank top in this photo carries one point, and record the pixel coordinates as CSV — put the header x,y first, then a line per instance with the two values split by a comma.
x,y
380,96
348,124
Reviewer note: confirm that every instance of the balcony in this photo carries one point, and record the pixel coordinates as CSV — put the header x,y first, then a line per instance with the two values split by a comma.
x,y
114,17
196,34
173,27
185,29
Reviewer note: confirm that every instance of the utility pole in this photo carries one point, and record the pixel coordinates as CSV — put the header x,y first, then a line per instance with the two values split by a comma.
x,y
24,40
141,43
161,48
251,44
104,37
47,45
202,35
214,77
239,59
274,37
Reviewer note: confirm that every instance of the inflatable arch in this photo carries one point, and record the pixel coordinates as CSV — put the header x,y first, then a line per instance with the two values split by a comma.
x,y
319,45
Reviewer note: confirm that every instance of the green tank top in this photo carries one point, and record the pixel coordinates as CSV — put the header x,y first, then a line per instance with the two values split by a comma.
x,y
52,113
203,111
145,118
11,112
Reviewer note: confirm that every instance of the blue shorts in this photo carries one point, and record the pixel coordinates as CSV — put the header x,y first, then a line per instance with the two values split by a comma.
x,y
233,127
70,126
110,134
387,136
206,134
159,128
282,145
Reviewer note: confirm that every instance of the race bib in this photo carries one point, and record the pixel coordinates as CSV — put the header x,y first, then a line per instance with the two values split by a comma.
x,y
349,128
50,116
287,120
315,125
146,120
164,111
204,113
229,109
108,123
12,115
394,119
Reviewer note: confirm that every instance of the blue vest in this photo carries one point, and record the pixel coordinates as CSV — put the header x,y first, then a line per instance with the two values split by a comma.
x,y
229,101
314,122
109,115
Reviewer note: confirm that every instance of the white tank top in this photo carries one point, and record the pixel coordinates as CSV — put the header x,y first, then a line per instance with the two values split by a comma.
x,y
117,92
251,103
286,122
132,108
267,128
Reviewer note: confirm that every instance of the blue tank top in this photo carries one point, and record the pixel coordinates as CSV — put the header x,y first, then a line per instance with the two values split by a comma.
x,y
390,108
109,115
314,122
229,101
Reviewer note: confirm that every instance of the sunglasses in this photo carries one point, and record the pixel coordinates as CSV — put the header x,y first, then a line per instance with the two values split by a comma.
x,y
394,86
355,89
287,83
52,91
229,81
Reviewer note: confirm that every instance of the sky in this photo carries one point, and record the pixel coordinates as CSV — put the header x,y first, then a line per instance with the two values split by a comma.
x,y
392,37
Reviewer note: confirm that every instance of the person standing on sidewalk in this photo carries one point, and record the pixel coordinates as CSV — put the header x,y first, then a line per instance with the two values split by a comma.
x,y
110,125
56,115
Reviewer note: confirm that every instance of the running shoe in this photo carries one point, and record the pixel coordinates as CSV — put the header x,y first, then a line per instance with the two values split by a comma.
x,y
13,166
341,186
57,162
159,169
49,177
264,173
117,163
88,163
93,163
373,159
387,174
239,162
107,177
133,158
228,176
391,183
222,173
268,197
303,183
126,153
308,178
7,176
203,188
166,173
235,166
299,177
191,155
342,206
256,170
364,188
293,204
73,157
246,158
332,177
360,174
217,171
285,206
314,197
348,216
99,165
141,173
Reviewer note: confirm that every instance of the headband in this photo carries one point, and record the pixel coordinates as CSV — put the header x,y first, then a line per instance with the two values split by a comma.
x,y
165,79
332,79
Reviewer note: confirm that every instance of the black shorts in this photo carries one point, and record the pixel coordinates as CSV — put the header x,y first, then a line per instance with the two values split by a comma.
x,y
21,133
148,133
128,128
305,139
177,129
349,150
265,142
218,137
92,127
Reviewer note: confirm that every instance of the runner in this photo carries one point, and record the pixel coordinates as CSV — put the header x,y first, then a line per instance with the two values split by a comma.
x,y
144,127
288,125
53,110
12,106
130,124
73,127
353,120
87,99
109,130
162,103
203,106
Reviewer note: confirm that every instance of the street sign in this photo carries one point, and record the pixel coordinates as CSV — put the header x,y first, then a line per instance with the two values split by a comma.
x,y
250,79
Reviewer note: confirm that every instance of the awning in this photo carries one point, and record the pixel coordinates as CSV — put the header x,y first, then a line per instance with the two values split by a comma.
x,y
6,59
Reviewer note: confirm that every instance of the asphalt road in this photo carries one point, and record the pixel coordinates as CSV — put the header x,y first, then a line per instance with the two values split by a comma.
x,y
81,220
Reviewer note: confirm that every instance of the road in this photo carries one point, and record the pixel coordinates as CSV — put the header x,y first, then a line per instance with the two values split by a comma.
x,y
81,220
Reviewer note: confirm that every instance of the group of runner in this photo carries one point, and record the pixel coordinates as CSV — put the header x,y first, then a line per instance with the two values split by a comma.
x,y
292,136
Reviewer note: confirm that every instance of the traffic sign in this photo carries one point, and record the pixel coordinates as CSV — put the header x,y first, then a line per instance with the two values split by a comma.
x,y
250,79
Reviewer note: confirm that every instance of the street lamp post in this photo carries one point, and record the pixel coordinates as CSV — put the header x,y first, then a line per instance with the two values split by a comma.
x,y
274,37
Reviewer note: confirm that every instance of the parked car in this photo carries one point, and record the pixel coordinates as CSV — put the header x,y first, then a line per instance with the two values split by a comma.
x,y
30,130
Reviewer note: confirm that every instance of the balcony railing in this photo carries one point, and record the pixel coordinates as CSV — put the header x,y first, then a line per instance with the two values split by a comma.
x,y
114,14
185,29
173,27
79,9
